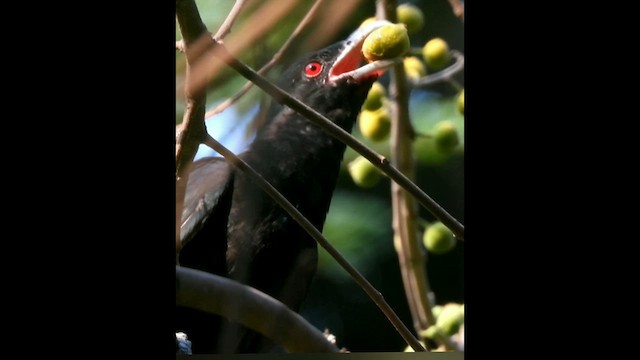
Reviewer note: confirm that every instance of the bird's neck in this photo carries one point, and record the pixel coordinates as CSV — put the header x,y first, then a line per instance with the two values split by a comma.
x,y
300,160
292,143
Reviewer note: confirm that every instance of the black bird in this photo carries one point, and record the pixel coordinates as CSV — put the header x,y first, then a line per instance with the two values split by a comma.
x,y
232,228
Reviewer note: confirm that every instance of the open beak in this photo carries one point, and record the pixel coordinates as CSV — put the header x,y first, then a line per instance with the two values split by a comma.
x,y
351,64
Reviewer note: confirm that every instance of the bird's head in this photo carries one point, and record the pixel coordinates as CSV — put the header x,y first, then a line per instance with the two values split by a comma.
x,y
320,79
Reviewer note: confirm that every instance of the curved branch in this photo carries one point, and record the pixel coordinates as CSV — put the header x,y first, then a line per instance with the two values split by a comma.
x,y
444,75
247,306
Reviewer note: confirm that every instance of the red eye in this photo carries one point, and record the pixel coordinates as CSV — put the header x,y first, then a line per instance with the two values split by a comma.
x,y
313,69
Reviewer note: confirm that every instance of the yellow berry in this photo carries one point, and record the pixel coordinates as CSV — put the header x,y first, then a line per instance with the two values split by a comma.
x,y
460,102
411,16
445,137
439,240
375,125
450,319
374,97
414,67
436,53
386,42
364,173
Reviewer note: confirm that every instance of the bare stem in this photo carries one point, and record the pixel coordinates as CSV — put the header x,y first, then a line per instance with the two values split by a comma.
x,y
243,304
374,294
193,130
410,255
456,85
225,28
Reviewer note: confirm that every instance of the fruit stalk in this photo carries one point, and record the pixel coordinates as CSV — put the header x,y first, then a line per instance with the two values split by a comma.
x,y
410,255
407,243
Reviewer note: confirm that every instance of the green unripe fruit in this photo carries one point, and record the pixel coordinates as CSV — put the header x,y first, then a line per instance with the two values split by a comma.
x,y
374,97
460,102
439,240
436,53
387,42
446,137
363,173
431,332
450,319
411,16
375,125
414,67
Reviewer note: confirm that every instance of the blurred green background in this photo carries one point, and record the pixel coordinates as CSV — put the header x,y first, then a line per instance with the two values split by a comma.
x,y
359,220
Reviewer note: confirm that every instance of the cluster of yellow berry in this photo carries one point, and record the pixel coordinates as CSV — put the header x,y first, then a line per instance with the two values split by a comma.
x,y
389,42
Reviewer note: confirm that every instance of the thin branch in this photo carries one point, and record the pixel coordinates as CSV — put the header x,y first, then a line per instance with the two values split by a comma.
x,y
374,294
456,85
311,14
367,69
268,15
334,130
274,60
225,28
243,304
443,75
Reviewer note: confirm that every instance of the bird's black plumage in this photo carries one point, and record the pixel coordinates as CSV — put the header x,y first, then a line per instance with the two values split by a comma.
x,y
232,228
